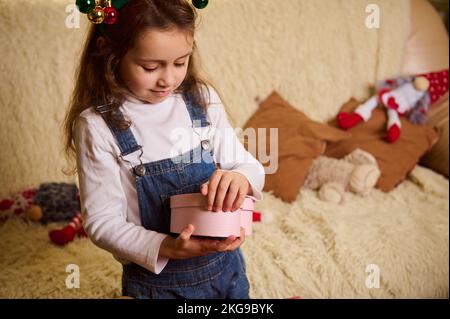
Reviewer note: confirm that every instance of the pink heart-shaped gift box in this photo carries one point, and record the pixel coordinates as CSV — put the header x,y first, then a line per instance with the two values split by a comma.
x,y
191,209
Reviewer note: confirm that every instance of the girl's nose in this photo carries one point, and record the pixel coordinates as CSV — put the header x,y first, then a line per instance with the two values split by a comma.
x,y
167,78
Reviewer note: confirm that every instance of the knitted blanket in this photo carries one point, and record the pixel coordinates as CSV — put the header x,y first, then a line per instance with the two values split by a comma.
x,y
316,54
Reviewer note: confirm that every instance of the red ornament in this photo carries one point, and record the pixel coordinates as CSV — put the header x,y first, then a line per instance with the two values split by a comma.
x,y
110,15
256,216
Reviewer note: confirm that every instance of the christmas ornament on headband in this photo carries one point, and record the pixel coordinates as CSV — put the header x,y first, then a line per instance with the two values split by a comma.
x,y
105,11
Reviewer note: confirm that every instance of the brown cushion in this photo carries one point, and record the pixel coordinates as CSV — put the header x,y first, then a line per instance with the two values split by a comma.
x,y
395,160
300,140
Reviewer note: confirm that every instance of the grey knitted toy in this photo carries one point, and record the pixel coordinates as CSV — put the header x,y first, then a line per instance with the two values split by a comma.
x,y
58,201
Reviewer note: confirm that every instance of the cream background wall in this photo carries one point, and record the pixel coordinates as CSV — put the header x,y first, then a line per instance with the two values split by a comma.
x,y
316,54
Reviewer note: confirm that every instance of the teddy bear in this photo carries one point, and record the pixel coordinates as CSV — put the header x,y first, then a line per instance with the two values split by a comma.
x,y
358,172
409,96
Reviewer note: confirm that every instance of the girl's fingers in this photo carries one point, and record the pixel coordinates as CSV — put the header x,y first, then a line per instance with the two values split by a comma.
x,y
221,192
199,247
232,242
212,187
223,245
208,245
240,197
238,242
186,234
242,236
204,189
231,197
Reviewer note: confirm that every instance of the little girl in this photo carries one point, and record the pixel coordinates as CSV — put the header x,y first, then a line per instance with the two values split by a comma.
x,y
138,111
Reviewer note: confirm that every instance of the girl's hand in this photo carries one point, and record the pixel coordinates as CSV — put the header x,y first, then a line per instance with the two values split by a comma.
x,y
226,190
184,246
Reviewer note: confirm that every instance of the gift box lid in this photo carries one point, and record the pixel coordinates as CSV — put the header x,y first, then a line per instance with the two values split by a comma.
x,y
199,200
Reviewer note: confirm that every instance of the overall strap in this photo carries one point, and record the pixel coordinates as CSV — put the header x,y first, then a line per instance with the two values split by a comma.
x,y
197,114
125,138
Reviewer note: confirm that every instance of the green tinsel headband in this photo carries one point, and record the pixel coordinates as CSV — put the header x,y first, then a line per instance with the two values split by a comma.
x,y
105,11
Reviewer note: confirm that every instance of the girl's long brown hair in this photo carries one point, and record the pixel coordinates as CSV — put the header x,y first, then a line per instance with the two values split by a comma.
x,y
97,78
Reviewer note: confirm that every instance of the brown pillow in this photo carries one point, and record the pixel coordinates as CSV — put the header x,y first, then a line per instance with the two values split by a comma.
x,y
300,140
396,160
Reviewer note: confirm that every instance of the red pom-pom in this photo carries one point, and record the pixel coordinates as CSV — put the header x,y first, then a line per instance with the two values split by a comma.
x,y
256,216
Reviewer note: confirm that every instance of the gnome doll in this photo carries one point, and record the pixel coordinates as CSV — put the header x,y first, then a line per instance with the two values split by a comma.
x,y
406,96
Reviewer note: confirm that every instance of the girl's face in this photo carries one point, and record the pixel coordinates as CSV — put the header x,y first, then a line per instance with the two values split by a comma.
x,y
157,64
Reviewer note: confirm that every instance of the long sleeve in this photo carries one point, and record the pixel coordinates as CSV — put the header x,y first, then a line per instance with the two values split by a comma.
x,y
104,205
230,152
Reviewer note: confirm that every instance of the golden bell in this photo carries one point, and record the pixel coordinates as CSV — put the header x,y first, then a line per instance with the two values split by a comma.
x,y
97,15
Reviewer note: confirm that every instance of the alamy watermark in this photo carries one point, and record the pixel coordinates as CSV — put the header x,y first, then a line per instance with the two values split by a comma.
x,y
259,145
73,279
73,17
265,155
373,279
373,17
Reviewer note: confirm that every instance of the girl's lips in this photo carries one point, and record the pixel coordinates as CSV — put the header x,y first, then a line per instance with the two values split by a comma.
x,y
161,93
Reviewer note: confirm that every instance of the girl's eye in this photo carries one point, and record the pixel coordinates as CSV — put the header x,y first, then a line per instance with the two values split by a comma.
x,y
178,65
149,69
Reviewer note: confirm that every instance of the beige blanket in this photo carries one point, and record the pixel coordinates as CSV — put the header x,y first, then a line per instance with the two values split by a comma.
x,y
308,249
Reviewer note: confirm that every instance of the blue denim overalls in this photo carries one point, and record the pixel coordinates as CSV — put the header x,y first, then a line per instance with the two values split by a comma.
x,y
216,275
